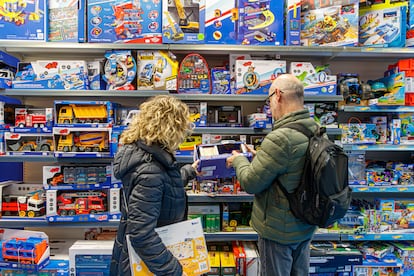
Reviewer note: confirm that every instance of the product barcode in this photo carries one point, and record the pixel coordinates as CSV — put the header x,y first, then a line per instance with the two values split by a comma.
x,y
203,266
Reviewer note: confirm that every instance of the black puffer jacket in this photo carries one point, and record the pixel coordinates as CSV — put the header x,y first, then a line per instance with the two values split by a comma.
x,y
153,190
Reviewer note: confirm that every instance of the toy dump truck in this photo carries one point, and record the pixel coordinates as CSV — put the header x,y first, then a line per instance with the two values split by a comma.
x,y
83,114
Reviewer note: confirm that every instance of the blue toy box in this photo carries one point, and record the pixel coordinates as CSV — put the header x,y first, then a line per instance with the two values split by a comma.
x,y
23,20
66,21
8,66
124,21
220,19
293,10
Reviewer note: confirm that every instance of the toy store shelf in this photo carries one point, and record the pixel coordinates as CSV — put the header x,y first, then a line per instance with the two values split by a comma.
x,y
379,147
230,130
385,109
42,222
382,189
231,236
51,158
378,237
212,198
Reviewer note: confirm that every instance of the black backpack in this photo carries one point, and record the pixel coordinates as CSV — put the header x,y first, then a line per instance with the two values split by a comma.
x,y
323,195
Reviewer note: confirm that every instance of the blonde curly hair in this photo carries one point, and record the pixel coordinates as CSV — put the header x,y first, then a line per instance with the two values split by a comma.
x,y
162,119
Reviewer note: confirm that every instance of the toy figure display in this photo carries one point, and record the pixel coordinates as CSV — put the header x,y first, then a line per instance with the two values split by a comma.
x,y
22,20
119,70
332,26
194,75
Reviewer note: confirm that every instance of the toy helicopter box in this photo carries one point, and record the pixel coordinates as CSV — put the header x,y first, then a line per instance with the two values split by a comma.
x,y
124,21
66,21
24,249
256,76
52,74
383,25
336,25
156,70
316,80
23,20
220,22
183,21
213,159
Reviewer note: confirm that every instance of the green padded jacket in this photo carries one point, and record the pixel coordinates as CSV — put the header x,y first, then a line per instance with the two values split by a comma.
x,y
282,155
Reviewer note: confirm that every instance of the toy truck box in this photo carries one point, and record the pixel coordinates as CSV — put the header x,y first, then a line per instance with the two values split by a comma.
x,y
198,113
256,76
66,21
336,25
7,109
82,205
81,142
383,25
183,21
33,120
23,20
52,74
39,144
213,159
24,249
22,200
156,70
8,66
316,80
84,113
124,21
79,177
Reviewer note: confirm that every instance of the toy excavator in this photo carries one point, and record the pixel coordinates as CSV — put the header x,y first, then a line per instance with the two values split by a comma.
x,y
188,26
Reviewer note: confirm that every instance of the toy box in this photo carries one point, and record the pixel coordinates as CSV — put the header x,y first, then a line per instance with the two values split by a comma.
x,y
316,80
124,21
8,66
256,76
183,21
220,81
407,128
213,159
257,120
209,215
383,25
356,168
28,143
358,133
90,257
198,113
326,114
52,74
95,72
7,110
194,75
336,25
188,246
79,177
156,70
381,128
66,21
292,24
23,20
236,216
187,147
24,249
394,90
119,70
220,22
22,200
224,116
82,205
33,120
84,113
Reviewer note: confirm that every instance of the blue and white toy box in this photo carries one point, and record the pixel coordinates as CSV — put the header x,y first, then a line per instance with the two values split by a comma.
x,y
220,80
124,21
293,10
23,20
335,25
316,80
183,21
256,76
38,144
220,22
213,159
383,25
95,72
66,21
8,66
52,74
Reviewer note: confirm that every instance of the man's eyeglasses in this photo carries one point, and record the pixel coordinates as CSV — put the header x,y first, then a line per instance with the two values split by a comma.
x,y
267,100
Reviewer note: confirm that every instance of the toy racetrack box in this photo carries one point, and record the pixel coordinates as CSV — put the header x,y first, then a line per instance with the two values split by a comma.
x,y
23,20
185,240
336,25
66,21
52,74
23,249
383,25
183,21
157,70
256,76
213,159
124,21
119,70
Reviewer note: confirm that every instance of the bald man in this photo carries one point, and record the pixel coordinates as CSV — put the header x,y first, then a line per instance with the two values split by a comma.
x,y
283,239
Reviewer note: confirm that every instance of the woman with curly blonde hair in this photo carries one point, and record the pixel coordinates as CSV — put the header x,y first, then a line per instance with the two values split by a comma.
x,y
153,183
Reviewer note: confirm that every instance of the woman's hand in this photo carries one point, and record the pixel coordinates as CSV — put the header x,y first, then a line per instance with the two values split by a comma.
x,y
195,167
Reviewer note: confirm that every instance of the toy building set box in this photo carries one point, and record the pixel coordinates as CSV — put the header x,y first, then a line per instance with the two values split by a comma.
x,y
183,21
23,20
331,25
124,21
66,21
383,25
244,22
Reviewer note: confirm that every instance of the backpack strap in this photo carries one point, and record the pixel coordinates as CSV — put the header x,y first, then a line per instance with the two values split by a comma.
x,y
299,127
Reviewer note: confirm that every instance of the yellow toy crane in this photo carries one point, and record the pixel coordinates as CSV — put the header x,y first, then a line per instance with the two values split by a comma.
x,y
183,22
176,32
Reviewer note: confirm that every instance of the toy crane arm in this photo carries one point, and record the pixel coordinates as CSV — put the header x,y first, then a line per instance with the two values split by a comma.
x,y
181,13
